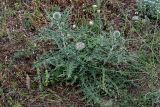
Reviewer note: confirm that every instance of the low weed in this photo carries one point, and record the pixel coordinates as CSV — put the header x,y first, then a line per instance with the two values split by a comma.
x,y
96,60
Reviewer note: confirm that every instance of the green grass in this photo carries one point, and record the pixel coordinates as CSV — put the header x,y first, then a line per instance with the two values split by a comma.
x,y
150,8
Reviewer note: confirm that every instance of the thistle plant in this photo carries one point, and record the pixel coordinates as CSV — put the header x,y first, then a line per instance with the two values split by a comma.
x,y
86,55
150,8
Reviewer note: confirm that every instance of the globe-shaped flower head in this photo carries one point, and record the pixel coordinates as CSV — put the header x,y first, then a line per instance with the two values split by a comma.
x,y
116,33
56,15
80,46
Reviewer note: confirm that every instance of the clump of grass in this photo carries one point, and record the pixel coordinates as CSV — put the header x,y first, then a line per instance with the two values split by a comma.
x,y
86,55
150,8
